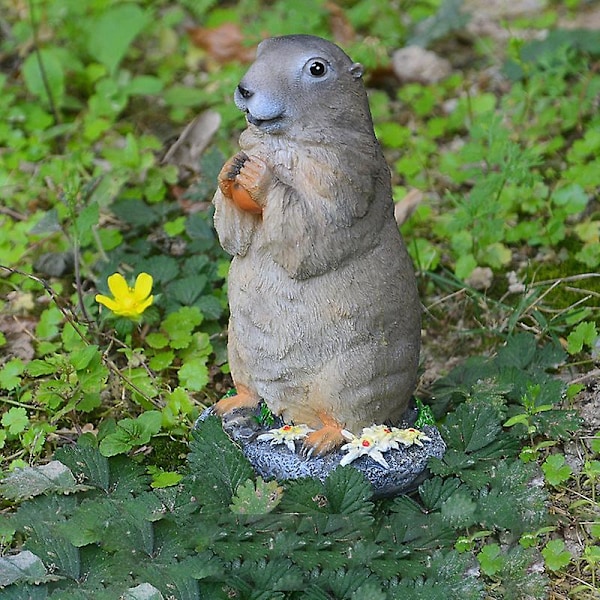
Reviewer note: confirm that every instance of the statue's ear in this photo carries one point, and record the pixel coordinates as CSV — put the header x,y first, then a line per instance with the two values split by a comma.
x,y
356,70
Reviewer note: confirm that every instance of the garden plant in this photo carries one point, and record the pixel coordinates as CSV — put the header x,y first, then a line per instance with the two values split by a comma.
x,y
115,119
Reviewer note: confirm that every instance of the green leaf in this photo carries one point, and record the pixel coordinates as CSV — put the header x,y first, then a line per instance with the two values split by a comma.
x,y
82,358
15,420
163,479
349,492
188,289
556,556
490,559
10,374
256,498
24,567
32,481
157,340
143,591
131,432
556,470
179,326
584,334
217,465
193,374
53,75
87,219
37,368
112,33
571,197
87,462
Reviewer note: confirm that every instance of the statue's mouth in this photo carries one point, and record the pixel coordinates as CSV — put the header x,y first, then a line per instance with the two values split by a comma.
x,y
266,124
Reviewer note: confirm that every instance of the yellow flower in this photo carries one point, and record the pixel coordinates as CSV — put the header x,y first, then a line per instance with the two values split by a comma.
x,y
128,301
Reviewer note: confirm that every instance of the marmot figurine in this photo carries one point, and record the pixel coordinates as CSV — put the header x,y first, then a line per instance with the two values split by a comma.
x,y
325,317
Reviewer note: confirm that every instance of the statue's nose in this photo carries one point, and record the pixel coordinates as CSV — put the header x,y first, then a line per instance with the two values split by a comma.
x,y
245,93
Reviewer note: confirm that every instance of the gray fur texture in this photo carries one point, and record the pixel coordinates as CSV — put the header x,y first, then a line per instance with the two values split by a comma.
x,y
325,317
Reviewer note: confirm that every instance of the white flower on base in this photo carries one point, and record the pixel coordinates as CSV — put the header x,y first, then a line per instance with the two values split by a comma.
x,y
411,436
361,446
377,439
287,435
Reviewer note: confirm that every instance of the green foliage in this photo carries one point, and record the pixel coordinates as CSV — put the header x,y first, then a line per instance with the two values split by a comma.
x,y
90,94
555,555
214,526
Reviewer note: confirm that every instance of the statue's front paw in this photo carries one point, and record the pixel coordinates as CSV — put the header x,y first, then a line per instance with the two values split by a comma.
x,y
244,180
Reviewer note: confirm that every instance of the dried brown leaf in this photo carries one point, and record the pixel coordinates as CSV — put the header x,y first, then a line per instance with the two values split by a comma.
x,y
223,44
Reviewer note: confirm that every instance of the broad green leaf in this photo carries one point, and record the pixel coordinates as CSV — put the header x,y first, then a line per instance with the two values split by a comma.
x,y
349,493
37,368
143,591
24,567
217,465
81,359
53,75
111,34
87,462
33,481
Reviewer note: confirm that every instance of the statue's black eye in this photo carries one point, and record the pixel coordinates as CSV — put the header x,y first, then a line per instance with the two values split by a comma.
x,y
317,68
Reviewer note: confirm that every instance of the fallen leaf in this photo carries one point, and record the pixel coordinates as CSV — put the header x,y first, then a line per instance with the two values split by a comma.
x,y
223,44
407,206
186,151
342,29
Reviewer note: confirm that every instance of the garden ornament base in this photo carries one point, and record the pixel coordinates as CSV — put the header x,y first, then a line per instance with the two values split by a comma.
x,y
398,469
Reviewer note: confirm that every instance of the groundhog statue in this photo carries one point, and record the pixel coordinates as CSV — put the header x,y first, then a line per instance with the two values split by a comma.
x,y
325,316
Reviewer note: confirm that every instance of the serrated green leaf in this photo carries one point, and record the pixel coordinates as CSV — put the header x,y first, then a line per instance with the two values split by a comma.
x,y
583,335
217,465
188,289
37,368
27,482
163,268
349,493
54,550
82,358
15,420
256,498
490,559
10,374
556,470
87,462
435,491
472,427
556,556
304,496
193,374
459,511
157,340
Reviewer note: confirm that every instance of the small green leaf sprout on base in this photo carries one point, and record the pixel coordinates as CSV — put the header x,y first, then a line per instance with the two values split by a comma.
x,y
128,301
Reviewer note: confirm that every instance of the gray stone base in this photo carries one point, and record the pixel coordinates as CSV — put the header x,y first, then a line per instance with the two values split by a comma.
x,y
407,465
